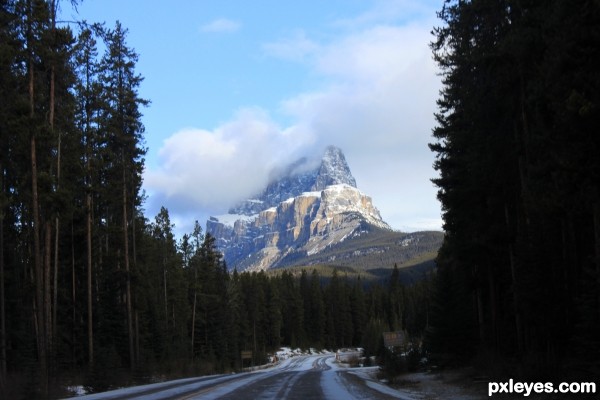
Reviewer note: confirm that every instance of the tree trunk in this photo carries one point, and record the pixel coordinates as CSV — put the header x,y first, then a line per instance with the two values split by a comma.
x,y
56,243
480,316
88,229
137,335
39,278
493,311
193,322
55,282
597,251
513,274
133,234
51,303
2,307
73,297
128,282
166,302
47,291
136,332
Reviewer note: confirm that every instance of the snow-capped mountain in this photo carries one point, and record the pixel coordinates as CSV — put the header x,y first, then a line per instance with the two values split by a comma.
x,y
304,175
306,208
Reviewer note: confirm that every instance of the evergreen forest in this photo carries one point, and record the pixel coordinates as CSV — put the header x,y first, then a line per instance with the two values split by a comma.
x,y
90,290
517,146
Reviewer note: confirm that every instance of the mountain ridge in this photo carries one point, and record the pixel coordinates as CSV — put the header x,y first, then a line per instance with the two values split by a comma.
x,y
303,175
307,208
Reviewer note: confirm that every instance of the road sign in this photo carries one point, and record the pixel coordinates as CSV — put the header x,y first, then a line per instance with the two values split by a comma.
x,y
394,339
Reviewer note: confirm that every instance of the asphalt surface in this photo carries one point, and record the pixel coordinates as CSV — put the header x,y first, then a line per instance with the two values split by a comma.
x,y
302,377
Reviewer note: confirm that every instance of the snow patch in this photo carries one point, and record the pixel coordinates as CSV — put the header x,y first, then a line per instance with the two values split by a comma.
x,y
310,194
230,219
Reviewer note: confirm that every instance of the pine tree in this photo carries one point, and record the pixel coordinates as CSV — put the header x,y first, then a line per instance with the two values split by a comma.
x,y
315,317
292,311
359,312
339,329
274,315
87,112
254,290
395,299
197,238
123,130
233,322
515,127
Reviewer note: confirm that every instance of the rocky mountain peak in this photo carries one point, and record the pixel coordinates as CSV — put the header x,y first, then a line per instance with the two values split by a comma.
x,y
303,175
334,170
307,207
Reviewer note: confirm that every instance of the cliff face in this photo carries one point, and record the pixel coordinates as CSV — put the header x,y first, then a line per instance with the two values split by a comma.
x,y
301,212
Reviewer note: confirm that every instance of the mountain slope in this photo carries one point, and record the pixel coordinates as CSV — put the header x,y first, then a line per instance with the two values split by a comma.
x,y
375,249
307,210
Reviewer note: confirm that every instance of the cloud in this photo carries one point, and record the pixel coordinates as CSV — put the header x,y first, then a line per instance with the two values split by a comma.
x,y
213,169
390,11
379,109
381,96
375,56
221,25
295,48
377,105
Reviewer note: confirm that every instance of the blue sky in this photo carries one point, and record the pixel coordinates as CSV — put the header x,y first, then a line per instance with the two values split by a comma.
x,y
240,87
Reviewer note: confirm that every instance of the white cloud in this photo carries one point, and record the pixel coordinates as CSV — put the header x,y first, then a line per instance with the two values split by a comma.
x,y
375,56
221,25
379,109
202,169
377,106
295,48
388,11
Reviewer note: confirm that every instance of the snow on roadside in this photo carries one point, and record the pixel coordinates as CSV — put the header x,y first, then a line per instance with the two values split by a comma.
x,y
133,390
336,386
338,382
287,352
367,374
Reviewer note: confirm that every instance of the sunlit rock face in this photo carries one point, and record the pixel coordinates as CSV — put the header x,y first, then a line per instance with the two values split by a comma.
x,y
304,209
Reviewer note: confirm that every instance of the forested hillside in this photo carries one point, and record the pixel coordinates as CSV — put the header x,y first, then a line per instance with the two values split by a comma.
x,y
376,249
517,149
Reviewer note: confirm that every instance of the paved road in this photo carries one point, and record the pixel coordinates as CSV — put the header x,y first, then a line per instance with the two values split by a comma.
x,y
303,377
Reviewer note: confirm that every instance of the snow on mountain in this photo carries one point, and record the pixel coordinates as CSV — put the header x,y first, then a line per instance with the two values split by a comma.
x,y
305,208
333,170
